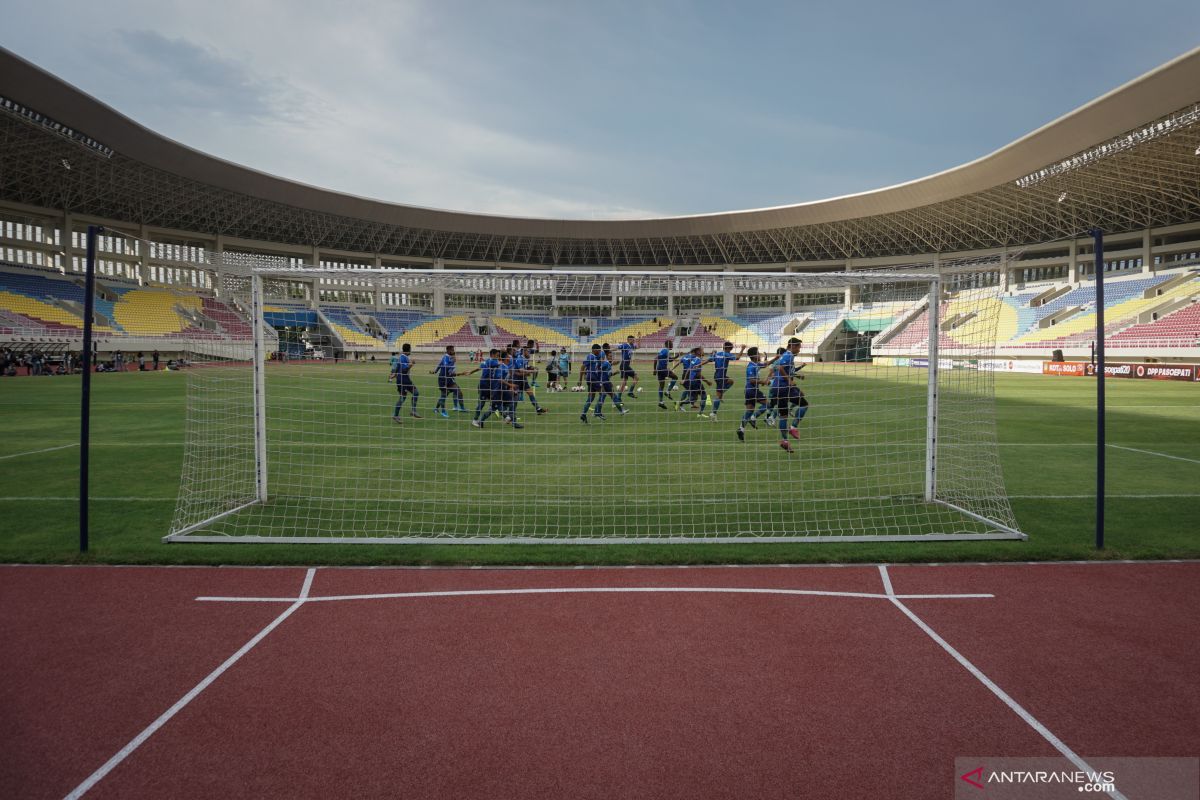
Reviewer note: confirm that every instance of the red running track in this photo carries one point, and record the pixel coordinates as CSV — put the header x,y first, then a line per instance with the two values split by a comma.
x,y
614,694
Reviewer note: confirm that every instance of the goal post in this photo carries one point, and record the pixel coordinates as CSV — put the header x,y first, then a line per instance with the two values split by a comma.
x,y
888,435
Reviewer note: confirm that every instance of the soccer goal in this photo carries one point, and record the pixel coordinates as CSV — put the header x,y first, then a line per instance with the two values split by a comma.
x,y
876,424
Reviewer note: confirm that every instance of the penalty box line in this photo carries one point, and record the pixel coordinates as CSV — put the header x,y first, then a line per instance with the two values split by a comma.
x,y
166,716
1004,697
592,590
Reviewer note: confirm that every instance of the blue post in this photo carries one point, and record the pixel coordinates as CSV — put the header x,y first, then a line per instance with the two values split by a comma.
x,y
85,406
1098,238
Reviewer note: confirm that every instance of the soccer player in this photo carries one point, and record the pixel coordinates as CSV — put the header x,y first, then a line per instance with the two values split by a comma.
x,y
564,365
693,381
404,384
721,378
627,347
505,392
521,369
552,372
531,355
662,371
447,384
606,385
756,401
485,370
591,372
786,395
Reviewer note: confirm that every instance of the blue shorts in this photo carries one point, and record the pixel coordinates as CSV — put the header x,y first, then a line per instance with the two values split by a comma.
x,y
723,384
404,385
755,395
785,396
693,386
447,384
607,387
594,387
485,393
627,372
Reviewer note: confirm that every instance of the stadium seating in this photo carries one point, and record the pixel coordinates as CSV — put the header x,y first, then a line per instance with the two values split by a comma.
x,y
464,337
1123,301
434,330
646,332
733,329
341,320
1180,328
152,312
398,322
236,327
505,329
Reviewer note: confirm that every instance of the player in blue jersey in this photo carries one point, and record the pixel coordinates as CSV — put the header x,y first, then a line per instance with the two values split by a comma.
x,y
592,374
564,365
662,372
447,385
606,383
627,347
721,379
693,381
505,391
756,401
522,368
401,366
786,397
485,370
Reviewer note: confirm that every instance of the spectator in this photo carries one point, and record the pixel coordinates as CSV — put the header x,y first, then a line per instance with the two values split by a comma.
x,y
141,361
154,356
118,362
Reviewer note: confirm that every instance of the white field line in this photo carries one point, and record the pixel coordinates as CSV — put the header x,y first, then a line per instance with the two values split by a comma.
x,y
138,740
590,590
1004,697
43,450
1152,453
394,501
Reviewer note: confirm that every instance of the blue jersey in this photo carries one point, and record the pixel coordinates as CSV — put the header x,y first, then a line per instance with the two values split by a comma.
x,y
785,367
626,353
395,363
564,363
445,367
721,359
486,371
752,374
403,365
662,359
591,368
691,367
605,370
500,374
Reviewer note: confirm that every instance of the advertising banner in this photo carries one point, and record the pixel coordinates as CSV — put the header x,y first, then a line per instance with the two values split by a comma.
x,y
1157,372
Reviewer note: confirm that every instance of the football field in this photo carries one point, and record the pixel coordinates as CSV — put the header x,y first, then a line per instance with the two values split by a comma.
x,y
659,471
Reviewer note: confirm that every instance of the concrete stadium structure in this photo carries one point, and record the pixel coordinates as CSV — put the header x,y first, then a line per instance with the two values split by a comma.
x,y
1127,163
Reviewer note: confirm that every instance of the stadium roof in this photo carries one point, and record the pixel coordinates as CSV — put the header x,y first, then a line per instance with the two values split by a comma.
x,y
1126,161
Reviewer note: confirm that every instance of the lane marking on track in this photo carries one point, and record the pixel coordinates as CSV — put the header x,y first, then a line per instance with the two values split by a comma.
x,y
138,740
1004,697
1152,453
43,450
592,590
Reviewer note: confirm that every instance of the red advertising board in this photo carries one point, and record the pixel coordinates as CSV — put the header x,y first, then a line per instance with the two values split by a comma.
x,y
1157,372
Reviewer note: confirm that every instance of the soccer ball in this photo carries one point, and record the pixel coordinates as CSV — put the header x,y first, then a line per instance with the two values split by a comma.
x,y
576,388
638,390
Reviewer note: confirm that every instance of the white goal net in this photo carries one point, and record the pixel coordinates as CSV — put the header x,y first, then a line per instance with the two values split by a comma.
x,y
346,419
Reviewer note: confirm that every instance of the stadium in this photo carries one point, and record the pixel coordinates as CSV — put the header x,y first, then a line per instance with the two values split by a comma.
x,y
910,377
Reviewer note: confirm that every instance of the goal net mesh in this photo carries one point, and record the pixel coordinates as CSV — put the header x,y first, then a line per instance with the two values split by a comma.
x,y
322,450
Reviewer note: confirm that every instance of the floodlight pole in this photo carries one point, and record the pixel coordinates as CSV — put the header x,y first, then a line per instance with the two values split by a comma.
x,y
1098,239
85,404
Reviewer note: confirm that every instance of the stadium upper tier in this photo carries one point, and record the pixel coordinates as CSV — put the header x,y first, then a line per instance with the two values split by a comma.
x,y
1126,161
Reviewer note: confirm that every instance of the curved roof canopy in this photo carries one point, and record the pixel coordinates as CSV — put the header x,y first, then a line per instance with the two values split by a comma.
x,y
1126,161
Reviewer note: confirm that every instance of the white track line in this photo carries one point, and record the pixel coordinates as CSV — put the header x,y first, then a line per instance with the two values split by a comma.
x,y
1152,453
137,741
44,450
592,590
1029,719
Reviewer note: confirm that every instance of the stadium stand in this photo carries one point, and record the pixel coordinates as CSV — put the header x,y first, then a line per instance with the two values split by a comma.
x,y
434,330
505,329
233,325
1180,328
342,320
397,322
646,331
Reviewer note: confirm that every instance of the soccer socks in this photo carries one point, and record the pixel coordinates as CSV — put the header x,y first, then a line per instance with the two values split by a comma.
x,y
399,406
799,414
587,404
746,417
758,412
479,408
415,395
716,404
440,405
600,404
671,388
660,393
533,401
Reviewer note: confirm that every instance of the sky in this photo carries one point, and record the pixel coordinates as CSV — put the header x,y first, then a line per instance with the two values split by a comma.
x,y
591,110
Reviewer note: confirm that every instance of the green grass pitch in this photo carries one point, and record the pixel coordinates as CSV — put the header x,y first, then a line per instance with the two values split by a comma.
x,y
1046,429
